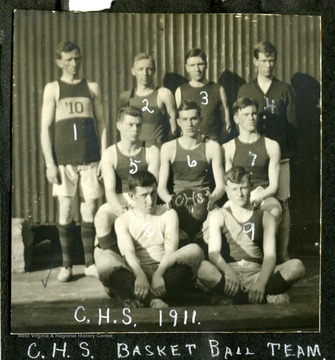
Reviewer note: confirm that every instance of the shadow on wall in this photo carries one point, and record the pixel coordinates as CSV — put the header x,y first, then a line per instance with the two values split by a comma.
x,y
172,81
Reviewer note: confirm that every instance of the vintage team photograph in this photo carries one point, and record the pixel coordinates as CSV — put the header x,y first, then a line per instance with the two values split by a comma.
x,y
165,173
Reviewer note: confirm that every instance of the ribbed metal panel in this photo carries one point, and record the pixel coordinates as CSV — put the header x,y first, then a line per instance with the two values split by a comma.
x,y
109,43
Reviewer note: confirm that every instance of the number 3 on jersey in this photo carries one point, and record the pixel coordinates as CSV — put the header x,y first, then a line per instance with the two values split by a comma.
x,y
204,97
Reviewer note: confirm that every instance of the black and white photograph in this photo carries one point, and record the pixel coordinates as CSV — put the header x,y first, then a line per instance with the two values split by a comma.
x,y
165,173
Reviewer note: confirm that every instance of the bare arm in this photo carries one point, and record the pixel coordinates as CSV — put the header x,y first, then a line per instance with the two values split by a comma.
x,y
215,224
47,120
127,249
228,154
166,96
224,100
177,96
108,165
152,157
214,154
257,289
260,193
99,114
164,171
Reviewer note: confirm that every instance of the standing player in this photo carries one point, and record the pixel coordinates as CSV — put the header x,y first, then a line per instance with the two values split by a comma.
x,y
191,158
243,268
118,162
277,121
258,154
72,106
152,270
156,103
210,97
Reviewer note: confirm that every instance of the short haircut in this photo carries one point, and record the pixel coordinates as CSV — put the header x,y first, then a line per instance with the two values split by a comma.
x,y
130,110
142,178
236,175
266,48
144,56
196,52
66,46
188,105
242,103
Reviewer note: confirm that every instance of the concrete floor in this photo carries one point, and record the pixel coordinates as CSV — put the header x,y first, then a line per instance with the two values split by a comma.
x,y
40,303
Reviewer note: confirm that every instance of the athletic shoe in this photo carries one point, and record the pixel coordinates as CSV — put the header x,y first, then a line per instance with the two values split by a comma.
x,y
278,299
91,271
158,304
132,304
65,274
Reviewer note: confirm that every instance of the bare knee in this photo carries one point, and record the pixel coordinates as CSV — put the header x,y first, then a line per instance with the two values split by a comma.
x,y
103,222
88,209
65,209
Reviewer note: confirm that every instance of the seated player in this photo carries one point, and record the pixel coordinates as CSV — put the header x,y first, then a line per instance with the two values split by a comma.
x,y
258,154
157,103
244,266
119,161
151,270
191,158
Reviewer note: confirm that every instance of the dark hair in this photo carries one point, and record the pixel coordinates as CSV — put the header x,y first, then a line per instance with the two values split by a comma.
x,y
266,48
142,178
188,105
65,46
242,103
196,52
144,56
130,110
236,175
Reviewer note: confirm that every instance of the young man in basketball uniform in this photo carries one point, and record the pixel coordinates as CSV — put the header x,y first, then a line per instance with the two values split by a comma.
x,y
243,262
157,103
210,97
190,159
277,121
118,162
72,137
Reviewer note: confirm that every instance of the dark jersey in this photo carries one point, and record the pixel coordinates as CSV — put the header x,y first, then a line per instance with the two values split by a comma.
x,y
276,112
76,139
128,165
255,159
153,117
191,168
209,99
243,240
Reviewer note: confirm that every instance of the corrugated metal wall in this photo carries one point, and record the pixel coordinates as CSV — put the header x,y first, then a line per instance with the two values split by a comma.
x,y
109,42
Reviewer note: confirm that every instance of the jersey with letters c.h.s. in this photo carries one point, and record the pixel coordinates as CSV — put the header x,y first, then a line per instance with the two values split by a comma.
x,y
255,159
154,119
244,240
76,139
191,169
208,98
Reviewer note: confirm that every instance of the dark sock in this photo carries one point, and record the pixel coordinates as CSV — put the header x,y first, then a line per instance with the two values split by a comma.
x,y
178,281
87,237
277,284
240,298
65,233
109,242
121,283
219,287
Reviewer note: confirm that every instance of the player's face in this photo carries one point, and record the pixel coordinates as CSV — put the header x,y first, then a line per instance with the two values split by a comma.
x,y
196,67
247,118
189,121
265,64
130,128
239,194
70,62
143,70
144,199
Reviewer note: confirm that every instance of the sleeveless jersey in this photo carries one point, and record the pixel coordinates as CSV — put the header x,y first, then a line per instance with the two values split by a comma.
x,y
255,159
153,117
127,165
76,139
148,236
209,99
190,168
243,240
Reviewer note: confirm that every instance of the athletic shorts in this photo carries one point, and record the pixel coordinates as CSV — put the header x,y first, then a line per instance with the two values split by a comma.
x,y
107,261
83,176
283,192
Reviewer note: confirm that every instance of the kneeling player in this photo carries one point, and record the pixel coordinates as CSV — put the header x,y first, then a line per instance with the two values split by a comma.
x,y
244,267
152,270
